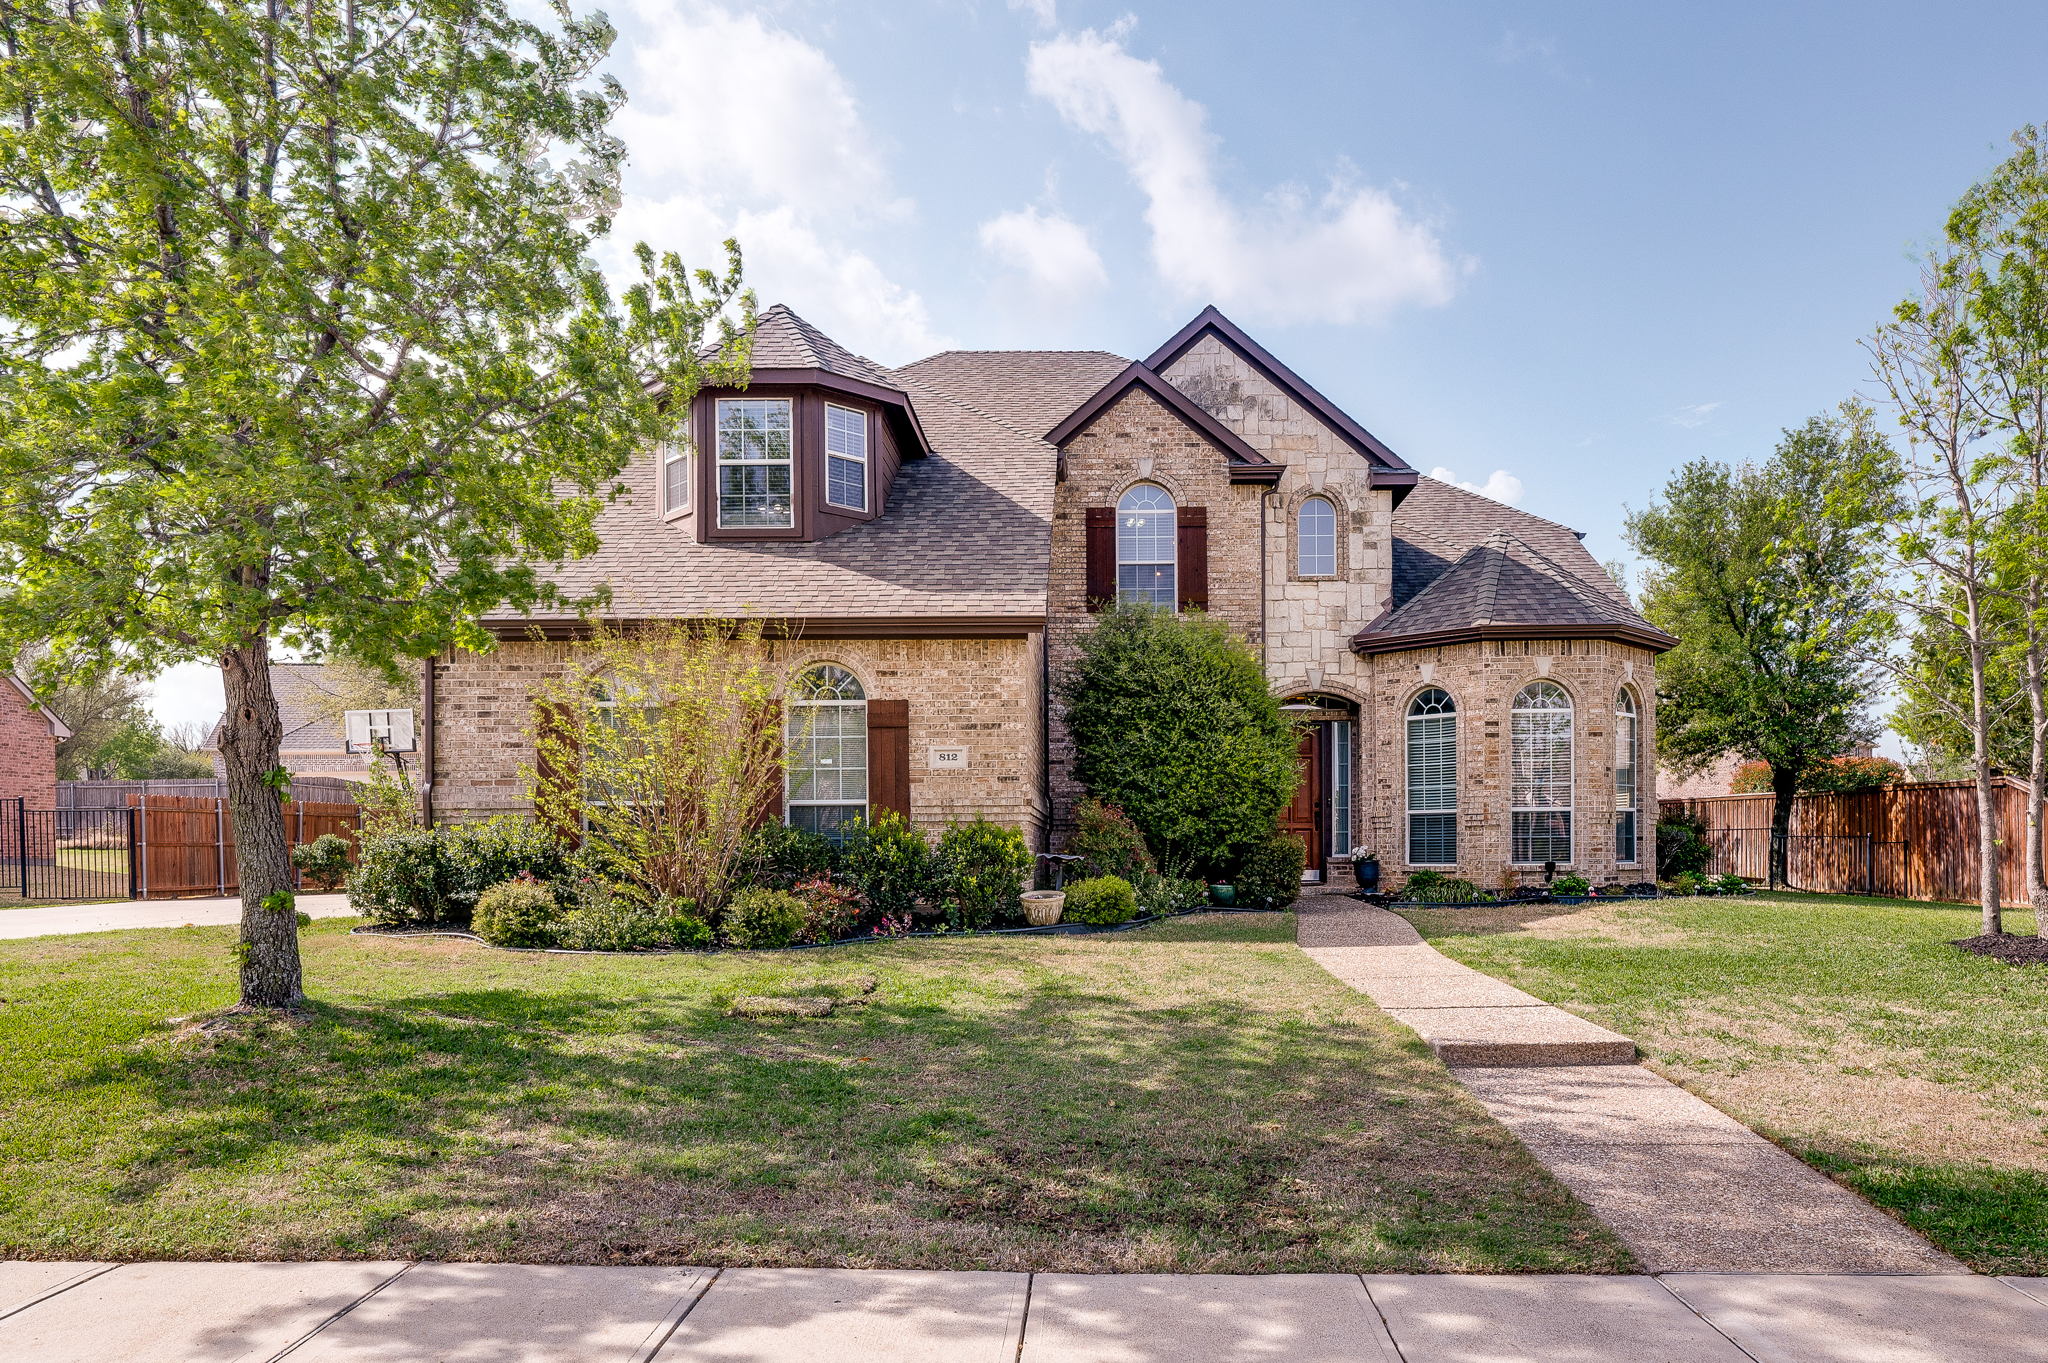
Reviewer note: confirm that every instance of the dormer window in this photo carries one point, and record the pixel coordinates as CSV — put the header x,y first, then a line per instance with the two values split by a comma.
x,y
675,478
755,483
846,457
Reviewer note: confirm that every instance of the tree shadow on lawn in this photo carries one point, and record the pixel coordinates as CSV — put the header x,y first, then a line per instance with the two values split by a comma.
x,y
1054,1126
1995,1219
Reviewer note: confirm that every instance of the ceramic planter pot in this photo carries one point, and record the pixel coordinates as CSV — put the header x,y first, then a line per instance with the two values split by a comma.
x,y
1367,874
1042,907
1223,896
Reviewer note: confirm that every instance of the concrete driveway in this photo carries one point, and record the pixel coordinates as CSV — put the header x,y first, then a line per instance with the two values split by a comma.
x,y
61,921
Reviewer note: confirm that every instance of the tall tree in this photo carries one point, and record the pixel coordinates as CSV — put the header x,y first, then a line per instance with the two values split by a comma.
x,y
306,345
1765,574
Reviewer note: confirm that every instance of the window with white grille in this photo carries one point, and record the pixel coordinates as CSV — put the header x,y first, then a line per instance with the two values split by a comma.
x,y
675,478
846,457
1540,796
827,751
1433,779
1628,744
755,486
1340,788
1315,539
1145,546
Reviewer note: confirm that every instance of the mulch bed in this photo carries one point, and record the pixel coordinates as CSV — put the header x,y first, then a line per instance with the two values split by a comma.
x,y
2004,946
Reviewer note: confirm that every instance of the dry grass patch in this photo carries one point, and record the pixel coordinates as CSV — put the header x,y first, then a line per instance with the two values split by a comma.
x,y
1198,1097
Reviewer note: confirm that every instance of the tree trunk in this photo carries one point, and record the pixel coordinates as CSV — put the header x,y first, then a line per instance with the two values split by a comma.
x,y
1784,790
1988,901
2037,774
249,737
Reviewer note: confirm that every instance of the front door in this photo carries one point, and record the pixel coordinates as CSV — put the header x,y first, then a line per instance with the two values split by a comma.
x,y
1304,817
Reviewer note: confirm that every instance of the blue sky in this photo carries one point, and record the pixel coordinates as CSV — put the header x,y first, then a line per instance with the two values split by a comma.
x,y
1556,250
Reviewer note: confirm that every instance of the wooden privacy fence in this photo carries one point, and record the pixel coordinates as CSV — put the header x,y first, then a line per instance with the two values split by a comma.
x,y
185,845
1911,841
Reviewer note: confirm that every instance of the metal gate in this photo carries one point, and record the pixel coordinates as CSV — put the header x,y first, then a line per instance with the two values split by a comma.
x,y
1823,863
50,854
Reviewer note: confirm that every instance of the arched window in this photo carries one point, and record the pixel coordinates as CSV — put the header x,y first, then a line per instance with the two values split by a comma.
x,y
1540,802
1433,779
1628,751
1145,546
1315,538
827,765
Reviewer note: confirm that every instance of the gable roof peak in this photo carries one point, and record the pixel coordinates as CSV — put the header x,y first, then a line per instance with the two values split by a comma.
x,y
783,340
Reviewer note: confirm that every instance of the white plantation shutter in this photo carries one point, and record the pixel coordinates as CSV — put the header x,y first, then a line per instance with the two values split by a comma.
x,y
1432,779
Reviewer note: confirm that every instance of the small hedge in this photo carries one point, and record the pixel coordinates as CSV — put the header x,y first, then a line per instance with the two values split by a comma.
x,y
517,913
762,917
1101,901
1269,877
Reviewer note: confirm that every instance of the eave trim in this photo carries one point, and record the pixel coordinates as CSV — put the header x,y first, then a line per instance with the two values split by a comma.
x,y
1643,636
1139,376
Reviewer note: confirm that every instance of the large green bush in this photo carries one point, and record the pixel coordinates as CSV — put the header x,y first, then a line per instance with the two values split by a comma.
x,y
518,913
761,917
888,862
1269,876
978,872
428,877
1174,725
1101,901
1682,846
782,857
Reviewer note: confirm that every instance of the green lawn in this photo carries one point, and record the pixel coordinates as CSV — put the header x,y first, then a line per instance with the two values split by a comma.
x,y
1193,1097
1846,1029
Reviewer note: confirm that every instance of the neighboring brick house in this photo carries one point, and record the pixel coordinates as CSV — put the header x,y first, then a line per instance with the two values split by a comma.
x,y
29,734
1478,689
313,743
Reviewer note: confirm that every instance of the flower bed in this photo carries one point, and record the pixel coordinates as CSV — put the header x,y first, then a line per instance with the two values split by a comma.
x,y
1438,892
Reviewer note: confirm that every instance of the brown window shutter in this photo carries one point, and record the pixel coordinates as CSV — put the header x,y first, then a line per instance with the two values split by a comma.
x,y
1193,568
1101,557
770,719
889,755
557,770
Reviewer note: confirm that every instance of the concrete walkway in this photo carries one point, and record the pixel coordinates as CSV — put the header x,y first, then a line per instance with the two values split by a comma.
x,y
1686,1187
528,1313
67,919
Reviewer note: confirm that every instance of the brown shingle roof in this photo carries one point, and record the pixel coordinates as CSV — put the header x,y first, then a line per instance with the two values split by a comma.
x,y
1437,522
783,340
1029,390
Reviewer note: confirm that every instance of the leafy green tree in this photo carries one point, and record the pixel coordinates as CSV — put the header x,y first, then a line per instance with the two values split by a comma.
x,y
306,346
1174,725
1766,575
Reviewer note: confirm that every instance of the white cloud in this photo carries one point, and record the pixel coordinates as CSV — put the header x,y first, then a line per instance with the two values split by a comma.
x,y
1500,485
1348,254
739,129
1694,416
186,693
1053,252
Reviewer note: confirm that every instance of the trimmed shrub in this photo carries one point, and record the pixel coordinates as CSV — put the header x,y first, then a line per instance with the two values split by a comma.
x,y
782,857
1160,895
323,861
1174,725
1730,883
1686,882
888,862
683,924
1569,884
517,913
978,872
1269,876
831,912
429,877
1682,844
605,919
1108,843
1101,901
761,917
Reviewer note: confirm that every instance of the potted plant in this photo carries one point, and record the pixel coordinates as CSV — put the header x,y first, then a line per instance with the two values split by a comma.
x,y
1042,907
1223,896
1365,868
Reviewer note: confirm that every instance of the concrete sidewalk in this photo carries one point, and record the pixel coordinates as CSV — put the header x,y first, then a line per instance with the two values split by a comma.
x,y
526,1313
64,920
1685,1186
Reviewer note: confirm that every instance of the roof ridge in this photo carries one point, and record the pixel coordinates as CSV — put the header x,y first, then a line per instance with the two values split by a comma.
x,y
1573,583
1489,572
965,406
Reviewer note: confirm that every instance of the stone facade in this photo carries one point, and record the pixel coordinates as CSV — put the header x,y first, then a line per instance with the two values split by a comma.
x,y
28,750
984,695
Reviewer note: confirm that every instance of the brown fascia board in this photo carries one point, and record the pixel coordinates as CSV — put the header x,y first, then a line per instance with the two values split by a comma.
x,y
1208,427
916,446
801,627
1367,643
1210,320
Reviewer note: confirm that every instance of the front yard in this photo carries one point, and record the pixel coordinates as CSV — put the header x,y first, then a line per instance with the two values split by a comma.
x,y
1845,1029
1193,1097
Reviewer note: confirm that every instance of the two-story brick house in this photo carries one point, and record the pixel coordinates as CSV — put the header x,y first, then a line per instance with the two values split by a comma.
x,y
935,539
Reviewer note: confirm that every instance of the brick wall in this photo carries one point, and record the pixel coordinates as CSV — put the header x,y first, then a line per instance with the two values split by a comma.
x,y
985,695
1483,678
1138,439
28,751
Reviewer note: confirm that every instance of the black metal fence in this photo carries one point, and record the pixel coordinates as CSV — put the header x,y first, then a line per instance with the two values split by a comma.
x,y
1826,863
58,854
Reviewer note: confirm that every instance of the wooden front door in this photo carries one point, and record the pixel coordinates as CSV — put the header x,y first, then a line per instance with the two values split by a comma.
x,y
1304,817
